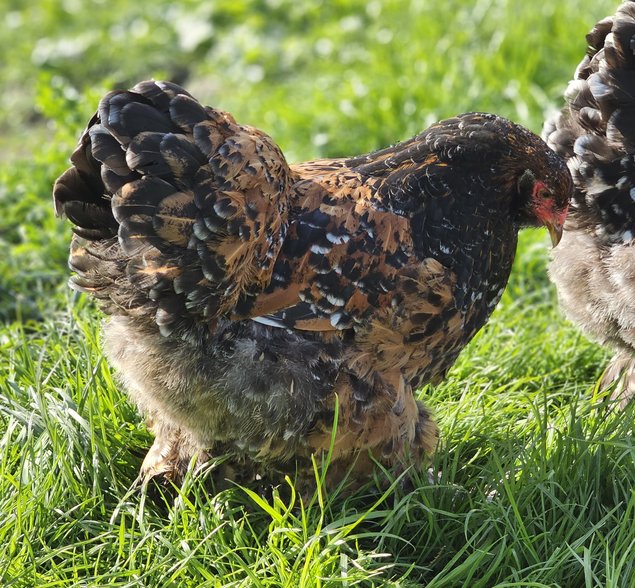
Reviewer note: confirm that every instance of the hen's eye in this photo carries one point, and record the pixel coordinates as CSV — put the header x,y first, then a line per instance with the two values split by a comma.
x,y
540,192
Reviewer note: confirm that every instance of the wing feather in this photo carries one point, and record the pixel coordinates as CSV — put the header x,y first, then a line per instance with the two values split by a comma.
x,y
341,254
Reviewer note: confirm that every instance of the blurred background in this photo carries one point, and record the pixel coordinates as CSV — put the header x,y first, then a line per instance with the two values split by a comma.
x,y
303,70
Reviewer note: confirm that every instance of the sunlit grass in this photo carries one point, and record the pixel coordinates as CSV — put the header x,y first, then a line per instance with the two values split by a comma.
x,y
533,482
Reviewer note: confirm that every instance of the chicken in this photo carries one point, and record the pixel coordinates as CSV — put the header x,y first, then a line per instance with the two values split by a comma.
x,y
594,267
274,312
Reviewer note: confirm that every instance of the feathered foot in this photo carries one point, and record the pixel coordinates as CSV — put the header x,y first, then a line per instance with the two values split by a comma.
x,y
620,373
170,454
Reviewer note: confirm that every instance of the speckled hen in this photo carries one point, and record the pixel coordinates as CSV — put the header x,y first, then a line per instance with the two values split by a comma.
x,y
251,301
594,267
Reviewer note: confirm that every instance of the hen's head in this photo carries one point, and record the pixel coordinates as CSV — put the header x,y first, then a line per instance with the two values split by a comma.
x,y
475,157
544,191
531,178
523,172
541,184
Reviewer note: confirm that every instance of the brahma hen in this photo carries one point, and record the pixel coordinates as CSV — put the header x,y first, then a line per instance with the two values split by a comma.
x,y
253,303
594,267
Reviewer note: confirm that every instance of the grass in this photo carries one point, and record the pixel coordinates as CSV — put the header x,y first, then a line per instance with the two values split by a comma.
x,y
533,485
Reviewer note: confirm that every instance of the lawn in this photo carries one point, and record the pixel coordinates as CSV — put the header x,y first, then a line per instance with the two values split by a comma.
x,y
533,484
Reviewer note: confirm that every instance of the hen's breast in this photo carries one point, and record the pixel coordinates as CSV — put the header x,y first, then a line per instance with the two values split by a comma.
x,y
481,259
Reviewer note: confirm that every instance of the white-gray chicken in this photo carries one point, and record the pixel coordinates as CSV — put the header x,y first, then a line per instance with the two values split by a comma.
x,y
594,266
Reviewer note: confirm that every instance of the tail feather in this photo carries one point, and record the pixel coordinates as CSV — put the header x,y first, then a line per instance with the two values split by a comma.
x,y
178,210
596,130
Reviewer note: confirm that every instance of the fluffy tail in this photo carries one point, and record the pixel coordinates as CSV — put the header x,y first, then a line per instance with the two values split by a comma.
x,y
112,152
179,212
595,132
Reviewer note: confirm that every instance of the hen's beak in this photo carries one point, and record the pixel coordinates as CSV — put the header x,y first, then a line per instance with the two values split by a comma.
x,y
555,232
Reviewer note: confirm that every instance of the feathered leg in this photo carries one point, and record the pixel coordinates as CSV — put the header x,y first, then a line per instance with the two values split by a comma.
x,y
620,373
395,430
171,452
